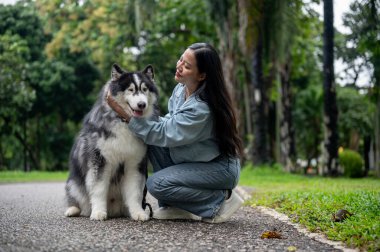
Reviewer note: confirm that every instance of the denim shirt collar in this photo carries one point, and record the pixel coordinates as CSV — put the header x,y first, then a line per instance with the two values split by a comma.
x,y
181,92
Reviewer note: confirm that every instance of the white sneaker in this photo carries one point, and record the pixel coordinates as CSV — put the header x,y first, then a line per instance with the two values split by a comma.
x,y
227,209
173,213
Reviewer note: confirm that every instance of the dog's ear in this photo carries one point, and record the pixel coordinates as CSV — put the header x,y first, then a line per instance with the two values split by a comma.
x,y
149,71
116,72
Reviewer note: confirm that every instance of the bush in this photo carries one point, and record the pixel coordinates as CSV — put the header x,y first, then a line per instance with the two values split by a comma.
x,y
352,163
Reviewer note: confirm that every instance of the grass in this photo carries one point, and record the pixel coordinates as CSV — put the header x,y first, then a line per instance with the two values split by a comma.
x,y
34,176
311,201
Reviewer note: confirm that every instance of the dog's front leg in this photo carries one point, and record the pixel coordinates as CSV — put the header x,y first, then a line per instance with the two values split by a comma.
x,y
98,187
133,188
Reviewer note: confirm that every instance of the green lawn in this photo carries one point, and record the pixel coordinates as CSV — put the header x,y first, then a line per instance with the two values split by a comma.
x,y
19,176
311,201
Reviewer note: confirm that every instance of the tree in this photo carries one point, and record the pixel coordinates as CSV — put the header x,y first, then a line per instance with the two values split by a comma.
x,y
63,88
363,45
224,14
306,79
22,19
16,98
184,23
329,165
281,31
22,39
43,100
267,30
252,44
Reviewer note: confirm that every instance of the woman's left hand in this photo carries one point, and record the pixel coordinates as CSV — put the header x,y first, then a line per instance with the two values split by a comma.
x,y
125,115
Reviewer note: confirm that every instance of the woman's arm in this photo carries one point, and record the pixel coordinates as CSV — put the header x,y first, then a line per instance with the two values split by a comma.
x,y
185,127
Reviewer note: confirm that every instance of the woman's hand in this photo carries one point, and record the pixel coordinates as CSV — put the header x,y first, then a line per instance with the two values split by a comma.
x,y
125,115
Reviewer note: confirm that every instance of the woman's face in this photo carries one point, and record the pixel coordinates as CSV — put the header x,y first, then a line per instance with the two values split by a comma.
x,y
187,71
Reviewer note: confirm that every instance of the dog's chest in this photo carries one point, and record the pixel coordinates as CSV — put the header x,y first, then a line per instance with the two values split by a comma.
x,y
123,146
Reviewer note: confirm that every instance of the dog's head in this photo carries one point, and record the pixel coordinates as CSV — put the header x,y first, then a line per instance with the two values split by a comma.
x,y
134,89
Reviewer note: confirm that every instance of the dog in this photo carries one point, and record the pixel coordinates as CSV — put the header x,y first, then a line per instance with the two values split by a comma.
x,y
108,163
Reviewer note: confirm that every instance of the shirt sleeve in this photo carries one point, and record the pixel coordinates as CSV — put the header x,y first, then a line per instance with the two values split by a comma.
x,y
187,126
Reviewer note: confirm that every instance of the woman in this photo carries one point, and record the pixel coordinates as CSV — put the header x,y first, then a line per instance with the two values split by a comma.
x,y
195,148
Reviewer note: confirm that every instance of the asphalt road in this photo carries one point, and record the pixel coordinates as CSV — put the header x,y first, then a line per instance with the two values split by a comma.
x,y
31,219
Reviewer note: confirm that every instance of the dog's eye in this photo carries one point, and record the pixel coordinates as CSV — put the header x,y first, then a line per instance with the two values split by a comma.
x,y
144,89
130,90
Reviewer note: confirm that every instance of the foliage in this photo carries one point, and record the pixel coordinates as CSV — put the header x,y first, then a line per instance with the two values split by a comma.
x,y
35,92
311,201
351,105
184,23
363,50
19,39
308,121
99,29
55,56
306,82
352,163
24,21
362,43
16,95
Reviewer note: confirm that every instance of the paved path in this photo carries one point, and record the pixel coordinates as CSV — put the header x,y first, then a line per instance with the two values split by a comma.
x,y
31,219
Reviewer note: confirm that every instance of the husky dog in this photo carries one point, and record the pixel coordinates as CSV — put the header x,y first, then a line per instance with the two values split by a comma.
x,y
108,164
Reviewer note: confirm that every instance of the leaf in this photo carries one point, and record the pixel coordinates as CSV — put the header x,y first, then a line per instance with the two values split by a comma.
x,y
271,235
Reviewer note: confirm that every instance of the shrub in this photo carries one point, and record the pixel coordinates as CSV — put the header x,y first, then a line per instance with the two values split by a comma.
x,y
352,163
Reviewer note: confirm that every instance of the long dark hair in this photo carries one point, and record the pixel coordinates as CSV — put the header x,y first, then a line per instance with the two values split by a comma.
x,y
217,97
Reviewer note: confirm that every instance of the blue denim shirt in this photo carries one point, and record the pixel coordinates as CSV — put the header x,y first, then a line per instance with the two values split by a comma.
x,y
187,130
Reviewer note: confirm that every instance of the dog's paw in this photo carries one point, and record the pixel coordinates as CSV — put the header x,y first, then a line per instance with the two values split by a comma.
x,y
98,215
139,215
72,211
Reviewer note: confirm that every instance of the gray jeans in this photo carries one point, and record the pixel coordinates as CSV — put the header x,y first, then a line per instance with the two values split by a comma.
x,y
199,187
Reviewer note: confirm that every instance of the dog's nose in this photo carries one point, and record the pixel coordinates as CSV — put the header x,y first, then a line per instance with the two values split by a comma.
x,y
141,105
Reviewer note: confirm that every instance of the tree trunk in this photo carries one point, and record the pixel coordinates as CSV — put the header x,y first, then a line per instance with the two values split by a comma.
x,y
2,156
28,153
245,33
287,149
367,151
272,114
26,160
260,108
377,135
247,88
354,140
376,71
228,50
227,56
330,146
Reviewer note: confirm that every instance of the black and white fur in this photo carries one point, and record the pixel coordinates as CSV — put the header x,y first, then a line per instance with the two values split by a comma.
x,y
108,164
